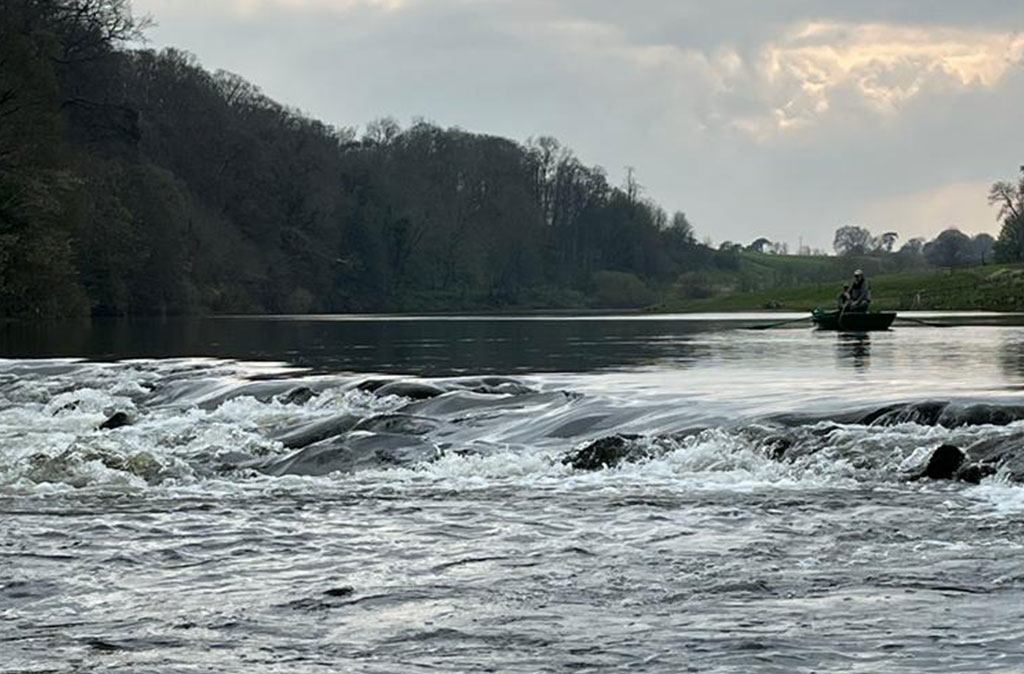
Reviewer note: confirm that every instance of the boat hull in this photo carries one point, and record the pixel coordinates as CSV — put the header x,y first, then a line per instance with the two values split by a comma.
x,y
851,321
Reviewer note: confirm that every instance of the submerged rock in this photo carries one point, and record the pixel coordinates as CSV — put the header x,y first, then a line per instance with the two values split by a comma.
x,y
976,472
307,432
776,446
1000,454
371,385
399,424
491,385
71,406
925,413
980,460
298,396
116,420
945,414
409,389
607,452
353,452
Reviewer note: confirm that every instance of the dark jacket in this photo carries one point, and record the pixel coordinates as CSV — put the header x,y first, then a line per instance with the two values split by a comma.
x,y
860,293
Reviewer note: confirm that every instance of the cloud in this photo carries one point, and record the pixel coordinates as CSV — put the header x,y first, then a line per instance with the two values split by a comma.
x,y
879,66
960,205
250,10
814,71
806,73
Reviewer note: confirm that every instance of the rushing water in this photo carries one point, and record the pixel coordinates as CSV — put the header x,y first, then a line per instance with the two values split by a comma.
x,y
392,495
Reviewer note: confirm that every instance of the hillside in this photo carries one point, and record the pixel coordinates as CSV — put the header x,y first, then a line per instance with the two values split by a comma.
x,y
137,182
741,271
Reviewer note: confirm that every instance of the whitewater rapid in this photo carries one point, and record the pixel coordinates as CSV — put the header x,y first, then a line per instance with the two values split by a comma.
x,y
745,512
223,425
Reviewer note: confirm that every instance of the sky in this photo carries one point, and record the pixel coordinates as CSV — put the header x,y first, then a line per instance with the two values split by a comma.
x,y
776,118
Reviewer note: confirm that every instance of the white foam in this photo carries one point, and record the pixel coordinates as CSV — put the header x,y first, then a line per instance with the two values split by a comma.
x,y
48,435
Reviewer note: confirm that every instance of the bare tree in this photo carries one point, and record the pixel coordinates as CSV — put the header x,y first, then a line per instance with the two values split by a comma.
x,y
1009,197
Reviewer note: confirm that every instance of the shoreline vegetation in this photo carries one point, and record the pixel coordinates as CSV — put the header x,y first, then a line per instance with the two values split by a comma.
x,y
995,287
135,182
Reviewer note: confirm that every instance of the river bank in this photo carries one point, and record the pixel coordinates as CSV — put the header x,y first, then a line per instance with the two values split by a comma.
x,y
981,288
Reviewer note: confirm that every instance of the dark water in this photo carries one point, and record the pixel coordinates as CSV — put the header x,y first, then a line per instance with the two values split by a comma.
x,y
390,495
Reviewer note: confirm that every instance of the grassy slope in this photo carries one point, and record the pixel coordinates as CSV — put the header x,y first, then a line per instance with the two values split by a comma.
x,y
989,287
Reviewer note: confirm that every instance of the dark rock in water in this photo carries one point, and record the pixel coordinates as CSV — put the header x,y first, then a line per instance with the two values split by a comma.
x,y
116,420
103,645
409,389
980,460
298,396
874,417
975,473
980,414
490,385
346,591
352,452
67,407
463,403
925,413
607,452
944,463
1005,454
775,446
306,433
945,414
371,385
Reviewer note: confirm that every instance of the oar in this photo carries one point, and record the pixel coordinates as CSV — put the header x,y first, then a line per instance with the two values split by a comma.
x,y
917,320
777,325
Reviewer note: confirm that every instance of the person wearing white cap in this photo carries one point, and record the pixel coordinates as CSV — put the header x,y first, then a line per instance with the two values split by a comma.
x,y
859,294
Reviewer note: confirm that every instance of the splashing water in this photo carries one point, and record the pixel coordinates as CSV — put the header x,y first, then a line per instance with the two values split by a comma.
x,y
728,502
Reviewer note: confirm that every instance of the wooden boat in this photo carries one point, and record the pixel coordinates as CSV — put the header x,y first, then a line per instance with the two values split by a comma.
x,y
853,321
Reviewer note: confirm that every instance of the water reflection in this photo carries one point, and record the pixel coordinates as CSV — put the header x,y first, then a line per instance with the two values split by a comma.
x,y
423,347
854,349
1011,355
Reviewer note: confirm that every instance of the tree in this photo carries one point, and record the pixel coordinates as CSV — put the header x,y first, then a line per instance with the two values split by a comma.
x,y
951,248
981,248
852,240
382,132
887,241
137,182
758,245
1010,199
681,230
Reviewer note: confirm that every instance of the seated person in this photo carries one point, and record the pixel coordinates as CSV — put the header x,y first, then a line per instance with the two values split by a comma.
x,y
844,297
859,294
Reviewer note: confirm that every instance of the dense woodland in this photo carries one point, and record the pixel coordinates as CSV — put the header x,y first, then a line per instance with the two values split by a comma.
x,y
135,182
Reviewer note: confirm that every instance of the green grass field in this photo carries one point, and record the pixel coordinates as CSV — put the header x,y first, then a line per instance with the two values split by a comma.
x,y
987,287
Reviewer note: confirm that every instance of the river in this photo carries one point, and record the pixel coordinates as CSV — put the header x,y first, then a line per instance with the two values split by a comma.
x,y
402,494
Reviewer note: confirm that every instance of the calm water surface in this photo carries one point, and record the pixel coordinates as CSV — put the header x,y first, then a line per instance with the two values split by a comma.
x,y
389,495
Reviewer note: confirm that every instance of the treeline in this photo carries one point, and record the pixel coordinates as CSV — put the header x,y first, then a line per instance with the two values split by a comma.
x,y
136,182
951,248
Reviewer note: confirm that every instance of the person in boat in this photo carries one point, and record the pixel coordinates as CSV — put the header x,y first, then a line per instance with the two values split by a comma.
x,y
843,298
858,294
